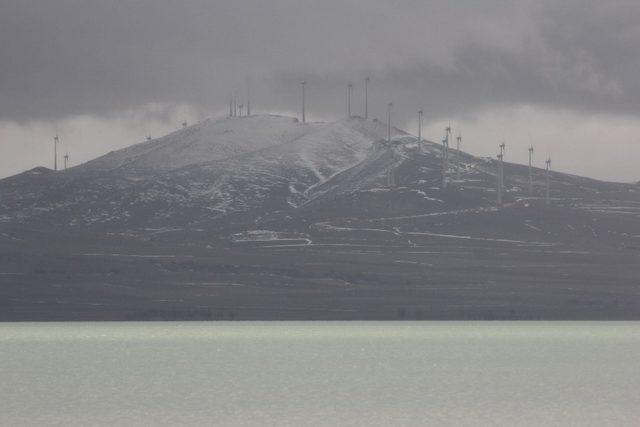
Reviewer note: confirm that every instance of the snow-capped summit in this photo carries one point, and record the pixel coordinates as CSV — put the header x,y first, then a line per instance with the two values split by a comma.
x,y
207,141
218,139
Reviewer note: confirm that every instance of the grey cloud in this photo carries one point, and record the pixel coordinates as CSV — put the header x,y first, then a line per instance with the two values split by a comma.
x,y
68,57
581,57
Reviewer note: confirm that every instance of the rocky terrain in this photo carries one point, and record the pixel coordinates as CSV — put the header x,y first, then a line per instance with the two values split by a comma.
x,y
263,217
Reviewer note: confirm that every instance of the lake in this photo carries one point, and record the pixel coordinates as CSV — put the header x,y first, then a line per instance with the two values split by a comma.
x,y
320,373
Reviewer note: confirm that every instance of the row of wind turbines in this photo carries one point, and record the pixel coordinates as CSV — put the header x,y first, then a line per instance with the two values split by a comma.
x,y
500,169
500,174
236,109
445,146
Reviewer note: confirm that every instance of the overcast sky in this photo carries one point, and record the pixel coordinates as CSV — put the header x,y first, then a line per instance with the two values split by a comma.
x,y
563,75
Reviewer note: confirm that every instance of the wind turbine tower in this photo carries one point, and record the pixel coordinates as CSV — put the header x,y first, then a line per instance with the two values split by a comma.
x,y
390,172
548,198
235,103
531,170
55,152
444,163
501,172
248,100
458,143
500,157
448,141
366,98
231,106
349,90
420,130
304,119
445,156
389,106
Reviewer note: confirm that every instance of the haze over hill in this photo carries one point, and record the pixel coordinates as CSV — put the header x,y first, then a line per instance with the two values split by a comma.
x,y
264,217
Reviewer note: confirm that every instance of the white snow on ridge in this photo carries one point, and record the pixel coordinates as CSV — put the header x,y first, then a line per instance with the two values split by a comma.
x,y
210,140
302,163
333,149
258,154
236,164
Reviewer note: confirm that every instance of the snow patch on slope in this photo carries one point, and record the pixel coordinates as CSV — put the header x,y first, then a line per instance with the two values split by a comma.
x,y
210,140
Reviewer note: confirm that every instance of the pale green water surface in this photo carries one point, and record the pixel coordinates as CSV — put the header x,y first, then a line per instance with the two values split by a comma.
x,y
324,373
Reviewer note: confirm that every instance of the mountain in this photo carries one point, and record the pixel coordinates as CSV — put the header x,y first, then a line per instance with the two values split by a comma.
x,y
264,217
205,172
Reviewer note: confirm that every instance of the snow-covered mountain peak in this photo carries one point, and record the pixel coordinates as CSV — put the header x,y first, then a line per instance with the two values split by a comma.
x,y
213,140
207,141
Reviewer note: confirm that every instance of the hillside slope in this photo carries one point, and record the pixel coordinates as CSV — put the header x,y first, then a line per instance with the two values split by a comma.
x,y
213,169
266,218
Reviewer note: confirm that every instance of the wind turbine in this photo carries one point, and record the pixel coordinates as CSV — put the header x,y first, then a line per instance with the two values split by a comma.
x,y
235,103
366,98
420,130
304,119
500,175
548,198
248,99
531,170
445,156
458,142
390,172
55,152
444,163
389,106
349,90
448,141
503,151
503,148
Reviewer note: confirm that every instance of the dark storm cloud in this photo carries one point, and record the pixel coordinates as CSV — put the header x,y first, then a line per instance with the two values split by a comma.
x,y
581,56
69,57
